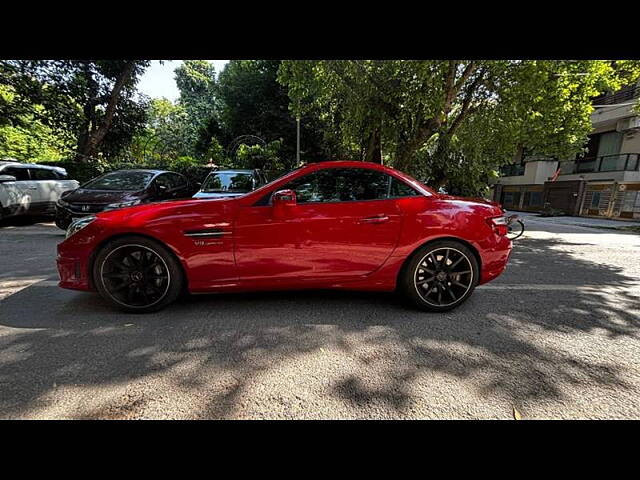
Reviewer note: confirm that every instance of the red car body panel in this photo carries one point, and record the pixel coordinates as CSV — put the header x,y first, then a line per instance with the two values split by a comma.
x,y
352,245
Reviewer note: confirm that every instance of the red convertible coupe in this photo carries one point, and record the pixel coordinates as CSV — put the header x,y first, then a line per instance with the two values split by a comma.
x,y
346,225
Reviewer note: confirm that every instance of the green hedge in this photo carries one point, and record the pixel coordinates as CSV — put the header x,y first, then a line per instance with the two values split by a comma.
x,y
83,172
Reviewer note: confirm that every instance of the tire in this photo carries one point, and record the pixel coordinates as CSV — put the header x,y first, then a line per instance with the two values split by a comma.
x,y
515,232
62,223
138,275
441,285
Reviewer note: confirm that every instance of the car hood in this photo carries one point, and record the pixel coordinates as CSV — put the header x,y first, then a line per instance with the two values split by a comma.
x,y
82,195
170,209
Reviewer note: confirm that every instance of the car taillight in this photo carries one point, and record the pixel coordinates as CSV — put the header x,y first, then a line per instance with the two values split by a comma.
x,y
499,225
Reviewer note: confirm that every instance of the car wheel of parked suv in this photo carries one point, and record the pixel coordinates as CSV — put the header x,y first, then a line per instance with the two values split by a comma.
x,y
440,276
62,223
137,274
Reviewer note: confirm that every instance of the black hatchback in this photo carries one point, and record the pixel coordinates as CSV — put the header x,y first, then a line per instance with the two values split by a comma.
x,y
122,188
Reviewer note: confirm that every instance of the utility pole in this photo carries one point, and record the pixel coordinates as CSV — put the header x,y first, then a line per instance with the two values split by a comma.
x,y
297,140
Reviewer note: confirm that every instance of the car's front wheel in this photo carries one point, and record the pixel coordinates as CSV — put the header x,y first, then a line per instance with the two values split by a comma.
x,y
440,276
137,274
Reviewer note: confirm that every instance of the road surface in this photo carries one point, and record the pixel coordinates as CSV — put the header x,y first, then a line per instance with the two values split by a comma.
x,y
556,336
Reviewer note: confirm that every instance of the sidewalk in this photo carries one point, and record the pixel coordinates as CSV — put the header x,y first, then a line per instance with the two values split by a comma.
x,y
578,221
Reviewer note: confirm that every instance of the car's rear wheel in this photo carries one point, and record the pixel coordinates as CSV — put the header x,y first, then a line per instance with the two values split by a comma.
x,y
137,274
440,276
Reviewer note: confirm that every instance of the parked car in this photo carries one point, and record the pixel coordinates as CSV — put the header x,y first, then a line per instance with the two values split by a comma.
x,y
31,189
343,225
230,183
122,188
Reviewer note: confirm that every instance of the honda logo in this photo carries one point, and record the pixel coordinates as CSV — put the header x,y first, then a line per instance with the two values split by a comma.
x,y
85,208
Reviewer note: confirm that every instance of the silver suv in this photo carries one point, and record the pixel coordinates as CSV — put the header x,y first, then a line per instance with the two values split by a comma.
x,y
30,189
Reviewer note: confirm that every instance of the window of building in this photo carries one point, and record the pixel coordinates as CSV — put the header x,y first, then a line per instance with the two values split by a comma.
x,y
595,200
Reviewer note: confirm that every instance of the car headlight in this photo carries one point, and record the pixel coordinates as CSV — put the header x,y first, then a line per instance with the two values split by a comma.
x,y
62,203
131,203
79,224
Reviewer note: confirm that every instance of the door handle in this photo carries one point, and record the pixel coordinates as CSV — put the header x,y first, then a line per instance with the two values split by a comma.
x,y
376,219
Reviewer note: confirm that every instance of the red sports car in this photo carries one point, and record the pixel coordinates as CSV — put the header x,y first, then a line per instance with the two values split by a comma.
x,y
346,225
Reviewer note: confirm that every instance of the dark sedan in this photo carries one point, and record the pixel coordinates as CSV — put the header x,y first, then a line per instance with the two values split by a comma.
x,y
122,188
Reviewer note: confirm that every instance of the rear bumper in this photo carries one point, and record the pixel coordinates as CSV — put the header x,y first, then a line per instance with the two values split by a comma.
x,y
495,259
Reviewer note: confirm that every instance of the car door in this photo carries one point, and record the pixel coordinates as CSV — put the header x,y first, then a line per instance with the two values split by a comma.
x,y
343,226
21,194
161,188
48,188
180,188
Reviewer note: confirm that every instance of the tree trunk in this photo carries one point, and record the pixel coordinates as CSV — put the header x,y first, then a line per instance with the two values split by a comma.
x,y
89,140
373,152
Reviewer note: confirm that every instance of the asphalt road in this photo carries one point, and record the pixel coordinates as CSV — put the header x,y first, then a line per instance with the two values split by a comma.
x,y
556,336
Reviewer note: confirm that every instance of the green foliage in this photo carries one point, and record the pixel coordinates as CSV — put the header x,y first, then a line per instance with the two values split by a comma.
x,y
93,101
265,158
24,137
253,102
196,80
192,168
454,122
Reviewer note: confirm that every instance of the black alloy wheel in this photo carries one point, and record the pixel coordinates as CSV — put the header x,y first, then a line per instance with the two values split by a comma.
x,y
137,275
441,276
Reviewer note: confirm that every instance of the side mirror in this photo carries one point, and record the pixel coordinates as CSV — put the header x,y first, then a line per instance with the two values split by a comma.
x,y
7,178
284,198
284,202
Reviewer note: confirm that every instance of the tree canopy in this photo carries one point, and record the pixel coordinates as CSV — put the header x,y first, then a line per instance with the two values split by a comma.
x,y
454,121
448,122
94,101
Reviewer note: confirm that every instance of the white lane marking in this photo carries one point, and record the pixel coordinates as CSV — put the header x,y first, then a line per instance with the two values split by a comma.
x,y
563,287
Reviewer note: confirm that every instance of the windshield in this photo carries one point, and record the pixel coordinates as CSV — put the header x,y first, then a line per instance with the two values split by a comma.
x,y
238,182
122,181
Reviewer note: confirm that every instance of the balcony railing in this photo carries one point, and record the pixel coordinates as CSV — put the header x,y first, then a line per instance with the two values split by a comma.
x,y
606,163
511,170
621,96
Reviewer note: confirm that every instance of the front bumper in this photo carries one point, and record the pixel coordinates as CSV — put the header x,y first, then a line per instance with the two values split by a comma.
x,y
73,273
64,213
74,262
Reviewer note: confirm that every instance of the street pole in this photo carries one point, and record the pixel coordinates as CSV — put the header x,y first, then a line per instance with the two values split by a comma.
x,y
297,141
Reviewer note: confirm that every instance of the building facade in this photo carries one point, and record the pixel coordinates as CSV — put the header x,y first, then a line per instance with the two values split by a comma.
x,y
603,182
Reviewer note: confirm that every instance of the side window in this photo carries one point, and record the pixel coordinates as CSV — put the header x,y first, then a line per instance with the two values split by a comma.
x,y
359,184
177,181
316,187
401,189
20,173
43,174
341,185
164,181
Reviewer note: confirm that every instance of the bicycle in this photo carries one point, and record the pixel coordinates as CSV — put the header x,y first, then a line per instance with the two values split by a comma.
x,y
515,227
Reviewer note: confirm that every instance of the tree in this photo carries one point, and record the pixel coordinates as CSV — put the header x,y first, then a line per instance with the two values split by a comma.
x,y
253,102
447,120
196,80
266,158
26,138
93,100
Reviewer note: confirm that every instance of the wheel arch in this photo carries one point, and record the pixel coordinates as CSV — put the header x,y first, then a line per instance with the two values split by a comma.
x,y
466,243
117,236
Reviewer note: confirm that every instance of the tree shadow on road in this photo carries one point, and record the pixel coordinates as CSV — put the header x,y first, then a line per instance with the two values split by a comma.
x,y
216,350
